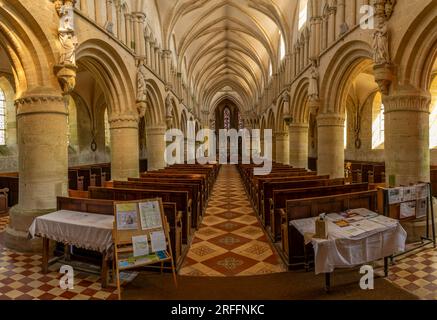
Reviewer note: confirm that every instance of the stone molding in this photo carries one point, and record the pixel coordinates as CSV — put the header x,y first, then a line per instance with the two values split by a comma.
x,y
331,120
155,131
123,122
281,134
299,126
408,100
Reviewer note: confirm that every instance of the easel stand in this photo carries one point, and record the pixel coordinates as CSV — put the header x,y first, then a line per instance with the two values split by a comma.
x,y
141,219
391,210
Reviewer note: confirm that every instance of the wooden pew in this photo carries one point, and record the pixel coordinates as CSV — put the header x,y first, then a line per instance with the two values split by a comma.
x,y
181,199
280,198
10,181
269,186
4,206
192,189
106,207
292,241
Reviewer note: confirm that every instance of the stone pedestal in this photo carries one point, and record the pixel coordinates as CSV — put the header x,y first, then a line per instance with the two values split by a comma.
x,y
298,135
407,152
43,162
331,145
156,146
282,145
124,147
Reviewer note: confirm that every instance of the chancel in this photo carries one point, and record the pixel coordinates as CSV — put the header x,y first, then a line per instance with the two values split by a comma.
x,y
329,114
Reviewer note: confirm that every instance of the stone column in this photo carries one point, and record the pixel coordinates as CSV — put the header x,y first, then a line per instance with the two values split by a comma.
x,y
298,136
124,147
84,7
331,145
407,154
156,147
42,162
282,145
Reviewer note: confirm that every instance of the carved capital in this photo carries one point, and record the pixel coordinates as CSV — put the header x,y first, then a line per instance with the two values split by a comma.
x,y
66,75
384,77
330,120
408,99
119,121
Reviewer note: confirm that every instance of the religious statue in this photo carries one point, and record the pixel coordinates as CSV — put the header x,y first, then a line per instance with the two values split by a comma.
x,y
381,54
313,90
69,44
67,36
168,107
141,84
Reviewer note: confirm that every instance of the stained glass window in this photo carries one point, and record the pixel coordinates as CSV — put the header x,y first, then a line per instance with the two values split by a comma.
x,y
2,118
227,119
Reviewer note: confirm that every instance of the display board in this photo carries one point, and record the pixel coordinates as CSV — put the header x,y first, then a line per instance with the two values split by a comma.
x,y
410,203
141,237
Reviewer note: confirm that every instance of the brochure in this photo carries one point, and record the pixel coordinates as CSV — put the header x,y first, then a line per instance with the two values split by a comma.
x,y
395,195
408,210
158,241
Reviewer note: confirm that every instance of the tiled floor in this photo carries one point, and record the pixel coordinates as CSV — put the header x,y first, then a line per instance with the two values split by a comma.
x,y
417,274
230,241
21,279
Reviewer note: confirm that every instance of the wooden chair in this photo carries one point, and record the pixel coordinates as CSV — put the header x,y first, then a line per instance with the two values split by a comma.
x,y
4,208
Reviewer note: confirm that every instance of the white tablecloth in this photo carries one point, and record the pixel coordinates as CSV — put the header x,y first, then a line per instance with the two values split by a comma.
x,y
83,230
337,252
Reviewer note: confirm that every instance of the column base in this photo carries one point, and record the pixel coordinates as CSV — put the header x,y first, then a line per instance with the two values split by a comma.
x,y
16,236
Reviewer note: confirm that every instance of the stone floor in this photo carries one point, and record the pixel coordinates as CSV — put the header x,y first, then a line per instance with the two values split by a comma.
x,y
230,241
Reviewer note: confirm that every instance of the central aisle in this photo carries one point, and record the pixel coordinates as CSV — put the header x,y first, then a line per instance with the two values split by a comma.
x,y
230,241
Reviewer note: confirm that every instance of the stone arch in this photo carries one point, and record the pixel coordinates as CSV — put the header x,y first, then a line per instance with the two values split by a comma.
x,y
112,74
417,51
155,104
28,48
350,59
300,111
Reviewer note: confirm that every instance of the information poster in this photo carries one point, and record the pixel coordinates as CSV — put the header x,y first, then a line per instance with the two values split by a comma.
x,y
127,216
408,210
158,241
395,196
140,246
150,215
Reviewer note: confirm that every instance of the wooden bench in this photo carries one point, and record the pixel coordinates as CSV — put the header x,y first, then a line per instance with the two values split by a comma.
x,y
192,189
4,206
292,242
181,199
106,207
280,198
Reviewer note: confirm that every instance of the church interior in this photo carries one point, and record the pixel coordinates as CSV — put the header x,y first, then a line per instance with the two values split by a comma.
x,y
338,97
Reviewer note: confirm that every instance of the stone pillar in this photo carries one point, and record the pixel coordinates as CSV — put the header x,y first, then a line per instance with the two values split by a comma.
x,y
407,154
331,145
84,7
282,144
128,22
156,146
124,147
298,136
42,162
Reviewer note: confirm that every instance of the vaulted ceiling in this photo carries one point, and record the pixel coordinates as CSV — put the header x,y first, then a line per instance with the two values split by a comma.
x,y
225,47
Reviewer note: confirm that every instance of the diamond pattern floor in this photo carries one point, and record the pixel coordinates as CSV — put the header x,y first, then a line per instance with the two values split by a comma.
x,y
21,279
230,241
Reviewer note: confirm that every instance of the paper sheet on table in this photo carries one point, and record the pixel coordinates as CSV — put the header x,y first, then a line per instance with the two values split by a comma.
x,y
158,240
365,213
368,226
389,222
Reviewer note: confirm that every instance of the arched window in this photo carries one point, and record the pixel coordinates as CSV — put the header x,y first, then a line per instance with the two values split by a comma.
x,y
281,47
240,122
227,118
107,131
378,122
433,116
2,118
303,13
345,132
